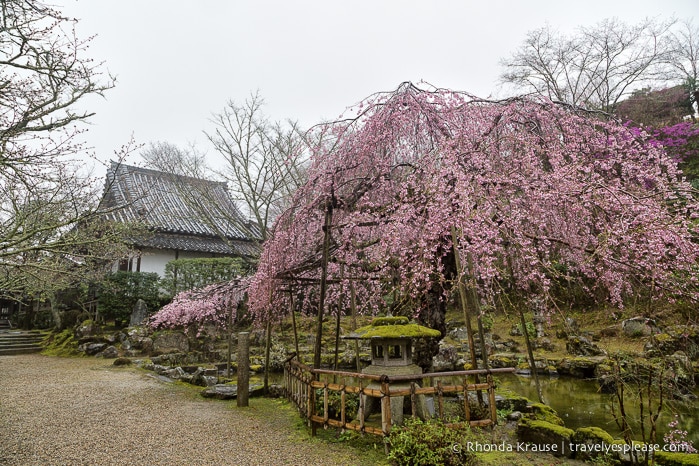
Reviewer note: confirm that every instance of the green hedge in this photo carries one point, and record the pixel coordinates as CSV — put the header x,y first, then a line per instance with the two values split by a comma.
x,y
187,274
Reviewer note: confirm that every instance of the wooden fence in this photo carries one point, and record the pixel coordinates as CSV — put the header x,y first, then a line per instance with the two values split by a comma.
x,y
304,384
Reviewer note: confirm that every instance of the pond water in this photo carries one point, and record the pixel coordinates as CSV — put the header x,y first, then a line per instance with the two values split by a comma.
x,y
579,403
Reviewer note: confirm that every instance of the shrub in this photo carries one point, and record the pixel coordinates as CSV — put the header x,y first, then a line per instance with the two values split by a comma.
x,y
188,274
419,442
119,292
335,404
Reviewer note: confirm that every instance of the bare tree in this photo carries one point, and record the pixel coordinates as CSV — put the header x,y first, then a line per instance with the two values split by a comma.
x,y
50,217
170,158
684,60
263,161
594,68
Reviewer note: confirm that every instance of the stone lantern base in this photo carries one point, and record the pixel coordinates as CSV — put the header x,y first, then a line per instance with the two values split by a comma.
x,y
373,405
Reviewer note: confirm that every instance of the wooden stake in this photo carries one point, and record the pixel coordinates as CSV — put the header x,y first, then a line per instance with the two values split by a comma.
x,y
464,307
323,283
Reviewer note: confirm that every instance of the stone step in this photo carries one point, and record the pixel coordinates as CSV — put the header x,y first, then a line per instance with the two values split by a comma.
x,y
12,337
20,342
20,349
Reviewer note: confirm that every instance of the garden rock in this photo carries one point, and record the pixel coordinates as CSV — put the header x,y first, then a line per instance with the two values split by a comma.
x,y
92,349
675,338
545,434
638,327
545,344
580,367
175,373
228,392
581,346
87,329
447,359
170,342
682,372
110,352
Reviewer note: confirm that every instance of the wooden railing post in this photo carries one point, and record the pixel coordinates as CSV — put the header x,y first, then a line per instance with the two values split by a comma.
x,y
491,397
312,404
343,401
467,401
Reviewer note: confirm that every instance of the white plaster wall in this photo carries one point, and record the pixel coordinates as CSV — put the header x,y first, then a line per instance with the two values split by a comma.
x,y
154,260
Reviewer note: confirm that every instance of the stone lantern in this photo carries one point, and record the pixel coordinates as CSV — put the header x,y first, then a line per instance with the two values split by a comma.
x,y
391,355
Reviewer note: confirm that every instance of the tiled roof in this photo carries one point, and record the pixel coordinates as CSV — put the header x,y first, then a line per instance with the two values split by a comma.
x,y
184,213
198,244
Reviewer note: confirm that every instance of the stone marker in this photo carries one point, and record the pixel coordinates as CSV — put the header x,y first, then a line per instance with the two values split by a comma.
x,y
139,313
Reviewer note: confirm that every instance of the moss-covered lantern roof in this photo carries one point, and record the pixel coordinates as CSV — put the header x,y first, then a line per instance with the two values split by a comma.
x,y
393,327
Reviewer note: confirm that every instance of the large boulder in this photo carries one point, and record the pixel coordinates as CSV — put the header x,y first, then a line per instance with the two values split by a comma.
x,y
170,342
582,367
591,443
581,346
110,352
91,349
542,436
638,327
228,392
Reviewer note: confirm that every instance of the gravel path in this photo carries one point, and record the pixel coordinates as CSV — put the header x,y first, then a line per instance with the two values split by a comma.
x,y
57,411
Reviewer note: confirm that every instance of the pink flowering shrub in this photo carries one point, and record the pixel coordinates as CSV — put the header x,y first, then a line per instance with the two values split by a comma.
x,y
191,310
676,439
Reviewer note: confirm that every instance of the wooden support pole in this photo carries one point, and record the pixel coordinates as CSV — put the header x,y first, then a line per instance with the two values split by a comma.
x,y
268,345
338,309
464,307
243,369
323,283
530,353
230,342
293,323
353,306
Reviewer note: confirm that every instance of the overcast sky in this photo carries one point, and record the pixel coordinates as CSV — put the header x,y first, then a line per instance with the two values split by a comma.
x,y
177,62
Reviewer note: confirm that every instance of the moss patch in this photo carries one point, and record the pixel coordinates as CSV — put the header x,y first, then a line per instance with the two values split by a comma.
x,y
676,459
549,437
584,434
542,412
395,331
379,321
61,344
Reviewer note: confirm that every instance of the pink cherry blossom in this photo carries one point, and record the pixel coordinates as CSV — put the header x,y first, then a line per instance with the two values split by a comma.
x,y
536,192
